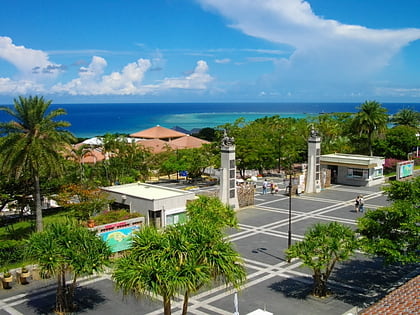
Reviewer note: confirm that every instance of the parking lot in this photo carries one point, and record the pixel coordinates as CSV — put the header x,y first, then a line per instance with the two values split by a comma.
x,y
273,283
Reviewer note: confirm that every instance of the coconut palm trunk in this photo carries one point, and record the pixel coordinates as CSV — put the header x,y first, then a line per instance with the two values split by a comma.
x,y
38,206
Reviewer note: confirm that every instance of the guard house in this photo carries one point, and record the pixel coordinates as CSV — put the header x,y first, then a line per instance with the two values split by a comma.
x,y
356,170
160,206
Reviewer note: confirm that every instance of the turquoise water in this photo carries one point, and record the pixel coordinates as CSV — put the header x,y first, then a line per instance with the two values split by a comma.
x,y
89,120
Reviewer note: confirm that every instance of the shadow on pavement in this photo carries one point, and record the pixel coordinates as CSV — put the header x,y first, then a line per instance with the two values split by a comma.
x,y
86,299
359,282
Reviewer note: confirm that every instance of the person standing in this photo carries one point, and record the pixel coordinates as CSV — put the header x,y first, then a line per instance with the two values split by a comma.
x,y
361,203
264,186
357,204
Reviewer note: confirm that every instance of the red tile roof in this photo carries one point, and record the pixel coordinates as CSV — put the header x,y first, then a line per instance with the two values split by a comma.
x,y
155,145
158,132
188,142
403,301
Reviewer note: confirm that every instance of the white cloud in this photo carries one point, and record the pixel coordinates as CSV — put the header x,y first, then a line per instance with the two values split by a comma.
x,y
224,60
325,51
91,80
197,80
34,66
31,63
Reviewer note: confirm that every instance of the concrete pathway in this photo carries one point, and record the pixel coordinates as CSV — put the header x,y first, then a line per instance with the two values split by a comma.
x,y
273,283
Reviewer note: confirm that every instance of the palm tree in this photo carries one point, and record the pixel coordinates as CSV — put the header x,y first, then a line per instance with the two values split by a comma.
x,y
33,143
407,117
182,258
371,119
65,248
149,268
323,246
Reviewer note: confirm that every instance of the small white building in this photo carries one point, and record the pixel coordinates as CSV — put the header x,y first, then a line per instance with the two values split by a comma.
x,y
160,206
352,169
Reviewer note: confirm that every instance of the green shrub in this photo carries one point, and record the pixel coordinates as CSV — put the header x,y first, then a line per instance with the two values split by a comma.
x,y
11,251
114,216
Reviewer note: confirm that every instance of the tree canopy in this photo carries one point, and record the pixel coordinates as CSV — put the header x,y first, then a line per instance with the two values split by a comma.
x,y
33,143
65,248
322,247
181,258
393,232
371,120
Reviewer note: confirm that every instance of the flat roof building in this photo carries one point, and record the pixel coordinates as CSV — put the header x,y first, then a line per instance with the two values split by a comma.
x,y
161,206
353,169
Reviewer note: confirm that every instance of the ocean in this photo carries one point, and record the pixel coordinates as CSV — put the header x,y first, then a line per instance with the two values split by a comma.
x,y
89,120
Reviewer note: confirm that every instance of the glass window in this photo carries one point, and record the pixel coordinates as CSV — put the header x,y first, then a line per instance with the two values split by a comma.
x,y
357,173
378,172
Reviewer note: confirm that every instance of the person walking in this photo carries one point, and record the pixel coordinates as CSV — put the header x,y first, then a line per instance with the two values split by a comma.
x,y
361,203
357,204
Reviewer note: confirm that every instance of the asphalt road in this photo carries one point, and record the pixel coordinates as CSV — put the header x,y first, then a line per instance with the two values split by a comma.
x,y
273,283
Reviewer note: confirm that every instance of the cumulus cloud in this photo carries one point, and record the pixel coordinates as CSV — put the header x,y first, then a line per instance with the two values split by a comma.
x,y
323,49
129,81
197,80
29,62
34,66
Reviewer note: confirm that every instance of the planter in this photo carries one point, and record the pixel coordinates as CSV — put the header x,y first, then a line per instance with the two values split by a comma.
x,y
8,279
23,276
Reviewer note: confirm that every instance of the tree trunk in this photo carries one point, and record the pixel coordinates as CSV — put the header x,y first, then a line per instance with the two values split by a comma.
x,y
320,285
167,305
185,304
60,295
38,208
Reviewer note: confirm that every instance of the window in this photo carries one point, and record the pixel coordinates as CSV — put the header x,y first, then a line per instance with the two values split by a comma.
x,y
378,172
176,218
357,173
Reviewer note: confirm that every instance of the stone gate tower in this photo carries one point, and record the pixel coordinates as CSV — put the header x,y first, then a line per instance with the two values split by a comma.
x,y
227,193
313,175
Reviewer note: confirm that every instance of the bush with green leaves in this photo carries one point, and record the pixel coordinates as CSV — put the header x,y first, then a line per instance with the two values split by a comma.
x,y
323,246
110,216
11,251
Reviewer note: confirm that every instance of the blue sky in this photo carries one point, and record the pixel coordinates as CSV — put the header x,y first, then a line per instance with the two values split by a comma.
x,y
210,50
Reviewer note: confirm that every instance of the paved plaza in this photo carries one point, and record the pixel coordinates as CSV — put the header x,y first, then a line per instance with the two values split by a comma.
x,y
273,283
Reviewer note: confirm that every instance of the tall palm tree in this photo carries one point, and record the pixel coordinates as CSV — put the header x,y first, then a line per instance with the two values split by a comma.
x,y
33,143
407,117
67,249
182,258
371,119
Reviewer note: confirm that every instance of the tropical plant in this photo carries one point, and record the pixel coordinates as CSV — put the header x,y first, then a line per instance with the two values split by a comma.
x,y
83,201
393,232
398,142
407,117
110,216
404,190
322,247
67,248
33,143
371,120
181,258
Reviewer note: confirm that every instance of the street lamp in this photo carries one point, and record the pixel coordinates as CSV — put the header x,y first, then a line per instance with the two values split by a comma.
x,y
289,239
280,139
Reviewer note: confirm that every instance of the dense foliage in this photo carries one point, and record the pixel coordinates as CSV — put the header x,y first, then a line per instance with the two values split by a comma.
x,y
393,232
33,144
322,247
67,249
182,258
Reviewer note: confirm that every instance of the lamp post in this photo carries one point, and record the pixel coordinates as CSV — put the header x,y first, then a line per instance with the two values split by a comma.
x,y
280,139
289,238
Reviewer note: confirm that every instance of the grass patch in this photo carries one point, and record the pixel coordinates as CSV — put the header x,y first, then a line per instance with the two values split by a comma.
x,y
22,229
